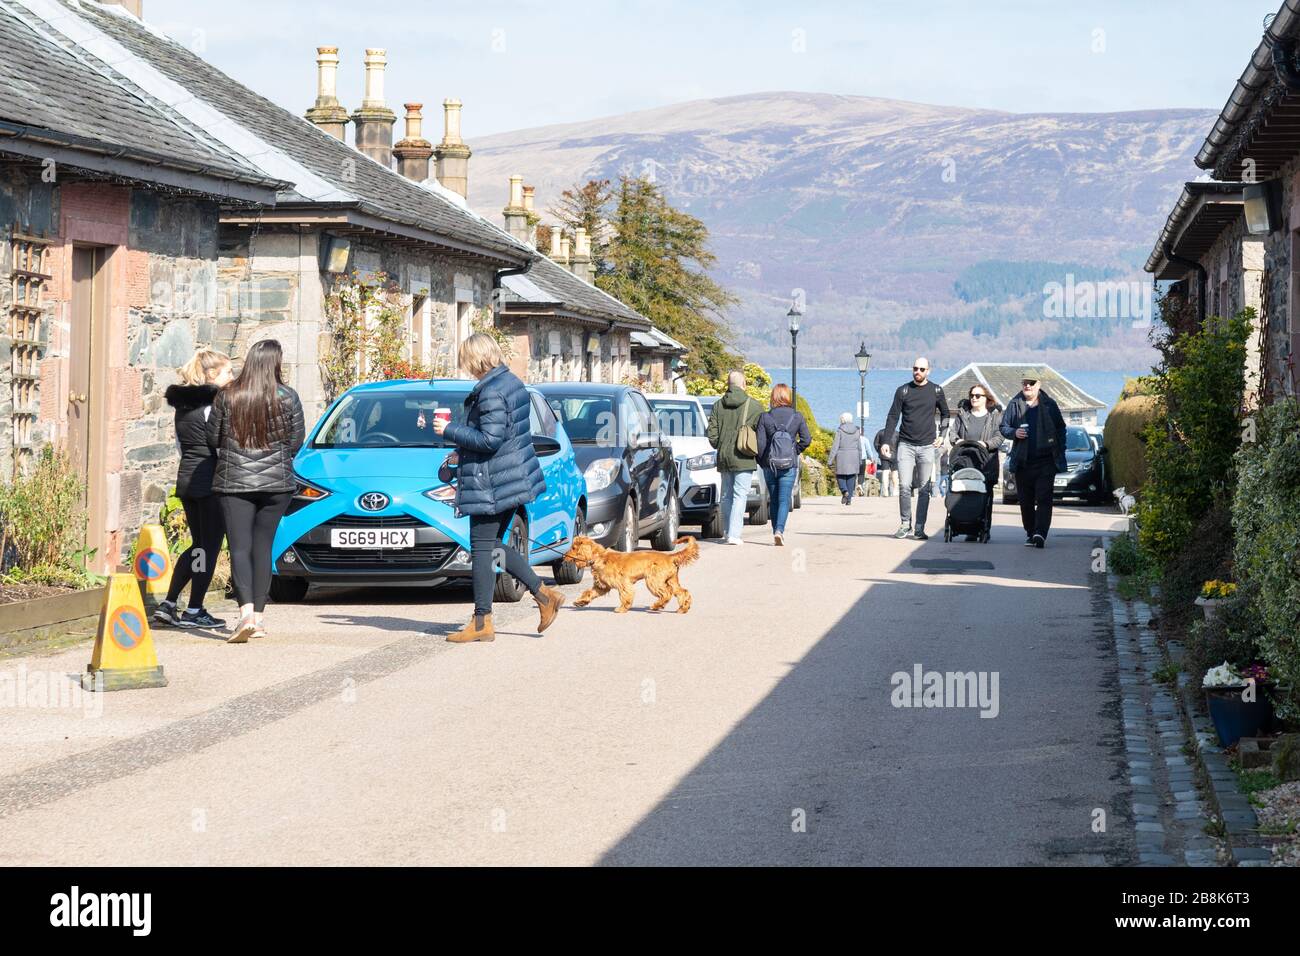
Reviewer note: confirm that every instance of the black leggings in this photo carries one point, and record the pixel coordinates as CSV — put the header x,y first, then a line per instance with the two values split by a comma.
x,y
485,533
195,567
251,520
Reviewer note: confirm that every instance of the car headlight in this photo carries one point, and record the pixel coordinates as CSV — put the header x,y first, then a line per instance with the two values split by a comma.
x,y
1075,467
446,493
305,491
601,473
708,460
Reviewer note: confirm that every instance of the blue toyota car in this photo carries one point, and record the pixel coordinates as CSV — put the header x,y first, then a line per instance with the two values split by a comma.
x,y
370,508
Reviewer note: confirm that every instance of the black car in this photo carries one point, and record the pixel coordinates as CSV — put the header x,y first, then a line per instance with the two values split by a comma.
x,y
626,460
1087,478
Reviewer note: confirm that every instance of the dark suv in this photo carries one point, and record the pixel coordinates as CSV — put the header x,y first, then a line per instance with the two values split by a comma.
x,y
626,461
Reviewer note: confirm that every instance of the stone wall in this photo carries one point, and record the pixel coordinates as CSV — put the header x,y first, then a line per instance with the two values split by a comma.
x,y
556,350
1280,284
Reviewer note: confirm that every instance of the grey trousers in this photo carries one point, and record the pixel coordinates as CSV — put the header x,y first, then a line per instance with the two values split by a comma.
x,y
915,469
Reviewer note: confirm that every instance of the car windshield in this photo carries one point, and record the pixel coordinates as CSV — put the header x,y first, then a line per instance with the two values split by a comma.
x,y
1076,439
398,419
588,419
679,419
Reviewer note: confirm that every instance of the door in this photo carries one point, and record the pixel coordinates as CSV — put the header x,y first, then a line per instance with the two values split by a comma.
x,y
549,526
645,446
85,398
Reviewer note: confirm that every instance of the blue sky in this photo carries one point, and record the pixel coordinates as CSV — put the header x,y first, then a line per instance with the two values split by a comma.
x,y
535,62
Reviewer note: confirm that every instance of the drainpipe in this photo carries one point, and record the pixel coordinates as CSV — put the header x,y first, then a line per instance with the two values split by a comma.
x,y
1202,278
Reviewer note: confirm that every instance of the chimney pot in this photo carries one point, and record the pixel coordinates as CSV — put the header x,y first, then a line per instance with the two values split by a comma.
x,y
374,121
414,150
581,254
528,198
556,249
515,214
328,113
452,154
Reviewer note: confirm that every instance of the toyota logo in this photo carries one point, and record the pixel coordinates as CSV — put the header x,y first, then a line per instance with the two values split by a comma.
x,y
373,501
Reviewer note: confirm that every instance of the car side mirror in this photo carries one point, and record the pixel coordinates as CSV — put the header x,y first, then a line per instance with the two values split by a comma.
x,y
544,445
647,441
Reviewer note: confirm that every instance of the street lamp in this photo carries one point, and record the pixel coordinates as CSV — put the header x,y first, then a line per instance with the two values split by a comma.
x,y
794,315
864,363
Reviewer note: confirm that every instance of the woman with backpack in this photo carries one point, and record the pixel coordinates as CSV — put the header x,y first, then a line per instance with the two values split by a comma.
x,y
846,457
257,427
782,437
202,377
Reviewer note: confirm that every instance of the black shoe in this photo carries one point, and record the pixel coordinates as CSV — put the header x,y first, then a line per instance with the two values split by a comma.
x,y
200,618
1039,541
165,613
920,535
903,532
1029,542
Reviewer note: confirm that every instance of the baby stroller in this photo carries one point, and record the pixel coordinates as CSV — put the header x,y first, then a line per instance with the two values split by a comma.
x,y
970,493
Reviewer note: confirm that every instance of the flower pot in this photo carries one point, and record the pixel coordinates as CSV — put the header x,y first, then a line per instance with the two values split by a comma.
x,y
1235,718
1209,606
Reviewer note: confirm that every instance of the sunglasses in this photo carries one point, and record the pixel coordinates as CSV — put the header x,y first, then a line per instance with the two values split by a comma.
x,y
978,395
920,368
1028,382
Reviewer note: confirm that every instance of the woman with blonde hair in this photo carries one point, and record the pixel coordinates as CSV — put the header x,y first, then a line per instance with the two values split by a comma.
x,y
782,437
200,379
498,472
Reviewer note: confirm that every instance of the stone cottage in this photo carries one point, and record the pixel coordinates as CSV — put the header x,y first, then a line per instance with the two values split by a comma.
x,y
109,217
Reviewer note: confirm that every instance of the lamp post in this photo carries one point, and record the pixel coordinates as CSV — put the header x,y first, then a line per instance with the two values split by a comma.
x,y
864,363
794,315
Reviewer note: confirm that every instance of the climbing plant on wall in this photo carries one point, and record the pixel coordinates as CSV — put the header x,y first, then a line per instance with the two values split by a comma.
x,y
366,336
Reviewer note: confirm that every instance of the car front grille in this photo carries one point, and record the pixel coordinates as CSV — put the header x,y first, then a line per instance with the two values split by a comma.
x,y
325,558
373,521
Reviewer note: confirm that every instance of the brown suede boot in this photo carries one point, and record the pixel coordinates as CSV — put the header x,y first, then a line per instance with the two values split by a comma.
x,y
549,600
479,628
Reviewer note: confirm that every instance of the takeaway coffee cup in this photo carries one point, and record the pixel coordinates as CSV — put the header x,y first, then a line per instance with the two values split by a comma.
x,y
443,415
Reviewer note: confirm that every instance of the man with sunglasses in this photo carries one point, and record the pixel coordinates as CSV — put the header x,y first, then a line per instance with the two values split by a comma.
x,y
913,413
1034,421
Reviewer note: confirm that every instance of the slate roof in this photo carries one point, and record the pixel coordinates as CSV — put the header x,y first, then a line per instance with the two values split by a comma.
x,y
652,338
1003,381
549,285
53,95
1197,220
322,170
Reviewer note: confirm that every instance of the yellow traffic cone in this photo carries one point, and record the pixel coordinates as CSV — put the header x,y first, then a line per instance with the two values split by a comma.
x,y
153,561
124,657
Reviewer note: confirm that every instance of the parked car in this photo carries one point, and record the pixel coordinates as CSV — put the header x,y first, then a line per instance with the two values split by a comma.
x,y
756,505
682,419
1087,478
370,508
626,462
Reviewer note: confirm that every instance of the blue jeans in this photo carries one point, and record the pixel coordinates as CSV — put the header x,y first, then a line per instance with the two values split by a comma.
x,y
915,468
780,488
735,496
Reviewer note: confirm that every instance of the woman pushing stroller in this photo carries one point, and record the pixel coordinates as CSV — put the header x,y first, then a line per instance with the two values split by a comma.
x,y
976,441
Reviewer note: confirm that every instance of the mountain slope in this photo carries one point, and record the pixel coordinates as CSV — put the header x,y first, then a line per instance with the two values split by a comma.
x,y
874,207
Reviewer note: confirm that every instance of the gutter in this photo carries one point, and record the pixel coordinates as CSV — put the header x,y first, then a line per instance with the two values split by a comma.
x,y
1202,278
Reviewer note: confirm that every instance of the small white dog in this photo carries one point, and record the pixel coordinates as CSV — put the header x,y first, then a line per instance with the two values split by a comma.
x,y
1124,500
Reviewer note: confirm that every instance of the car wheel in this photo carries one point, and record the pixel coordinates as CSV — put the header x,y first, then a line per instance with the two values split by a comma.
x,y
507,588
796,499
760,515
712,526
566,572
288,590
627,532
667,534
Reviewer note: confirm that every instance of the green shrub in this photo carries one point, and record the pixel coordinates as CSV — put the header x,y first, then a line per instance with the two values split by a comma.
x,y
1191,442
1122,437
43,524
1123,557
1228,636
1206,555
1266,519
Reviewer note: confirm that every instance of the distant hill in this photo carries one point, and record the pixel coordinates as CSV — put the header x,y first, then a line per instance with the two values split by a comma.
x,y
914,227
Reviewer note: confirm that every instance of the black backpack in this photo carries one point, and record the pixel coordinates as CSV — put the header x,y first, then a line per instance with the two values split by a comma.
x,y
782,451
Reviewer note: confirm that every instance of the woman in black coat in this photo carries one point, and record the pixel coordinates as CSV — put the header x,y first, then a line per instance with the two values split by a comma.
x,y
201,378
498,471
257,427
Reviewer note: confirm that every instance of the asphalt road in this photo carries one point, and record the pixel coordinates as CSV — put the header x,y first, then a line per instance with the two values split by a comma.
x,y
760,728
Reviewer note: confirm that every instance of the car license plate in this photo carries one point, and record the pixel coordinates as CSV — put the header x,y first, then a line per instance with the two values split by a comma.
x,y
1062,482
372,538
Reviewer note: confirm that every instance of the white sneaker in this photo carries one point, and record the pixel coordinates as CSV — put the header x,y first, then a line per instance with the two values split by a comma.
x,y
736,541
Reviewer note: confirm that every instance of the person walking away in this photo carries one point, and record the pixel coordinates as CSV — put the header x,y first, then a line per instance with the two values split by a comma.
x,y
976,421
733,431
497,474
888,468
846,457
782,437
1034,421
913,412
201,378
256,427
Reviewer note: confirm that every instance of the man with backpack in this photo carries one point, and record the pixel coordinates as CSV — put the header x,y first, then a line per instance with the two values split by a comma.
x,y
733,432
913,413
782,437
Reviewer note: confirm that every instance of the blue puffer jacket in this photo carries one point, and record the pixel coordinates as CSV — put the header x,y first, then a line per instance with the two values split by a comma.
x,y
499,470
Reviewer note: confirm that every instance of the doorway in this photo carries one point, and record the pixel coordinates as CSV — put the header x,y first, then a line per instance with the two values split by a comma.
x,y
86,387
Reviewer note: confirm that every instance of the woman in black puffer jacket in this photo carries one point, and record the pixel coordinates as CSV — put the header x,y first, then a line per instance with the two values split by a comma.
x,y
498,472
201,378
256,426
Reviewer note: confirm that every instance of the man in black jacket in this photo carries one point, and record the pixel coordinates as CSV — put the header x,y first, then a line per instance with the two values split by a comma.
x,y
1035,421
916,404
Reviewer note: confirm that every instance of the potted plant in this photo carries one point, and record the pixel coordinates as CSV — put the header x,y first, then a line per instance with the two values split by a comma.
x,y
1214,593
1237,701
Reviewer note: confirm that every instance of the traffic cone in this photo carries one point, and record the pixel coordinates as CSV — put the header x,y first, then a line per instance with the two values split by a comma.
x,y
124,657
153,562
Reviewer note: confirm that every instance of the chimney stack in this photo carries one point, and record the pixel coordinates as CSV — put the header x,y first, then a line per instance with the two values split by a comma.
x,y
559,242
374,121
531,216
564,251
452,155
328,113
414,150
515,214
581,254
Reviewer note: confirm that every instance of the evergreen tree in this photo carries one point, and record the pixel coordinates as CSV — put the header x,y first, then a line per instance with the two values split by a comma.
x,y
586,206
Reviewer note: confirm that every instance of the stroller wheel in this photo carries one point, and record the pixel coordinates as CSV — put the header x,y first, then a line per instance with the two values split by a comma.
x,y
947,533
